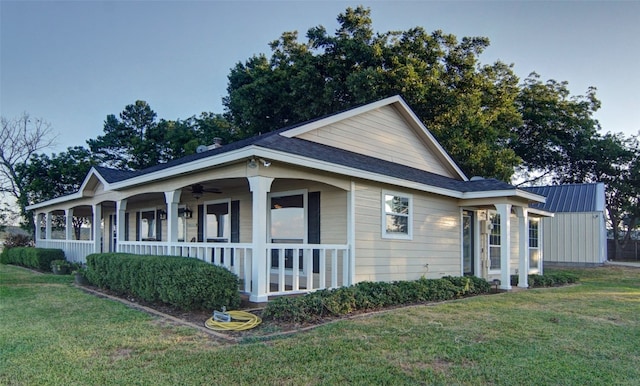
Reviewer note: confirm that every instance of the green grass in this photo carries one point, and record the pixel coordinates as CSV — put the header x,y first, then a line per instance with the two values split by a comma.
x,y
54,334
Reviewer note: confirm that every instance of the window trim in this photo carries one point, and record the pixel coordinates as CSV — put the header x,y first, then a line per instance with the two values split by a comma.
x,y
204,220
155,225
535,269
384,213
305,206
499,247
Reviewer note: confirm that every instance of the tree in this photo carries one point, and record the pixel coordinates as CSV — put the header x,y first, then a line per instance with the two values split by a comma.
x,y
615,160
45,177
137,140
469,107
126,143
556,130
20,138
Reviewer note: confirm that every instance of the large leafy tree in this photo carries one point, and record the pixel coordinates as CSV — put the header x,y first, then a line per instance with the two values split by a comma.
x,y
557,129
129,142
468,106
47,177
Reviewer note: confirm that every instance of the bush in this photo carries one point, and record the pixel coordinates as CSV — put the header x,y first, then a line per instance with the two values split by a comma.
x,y
36,258
61,267
17,240
186,283
548,279
367,296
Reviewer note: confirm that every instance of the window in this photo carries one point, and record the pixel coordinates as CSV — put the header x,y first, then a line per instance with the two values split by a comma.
x,y
534,244
494,241
182,224
288,225
148,225
396,215
217,221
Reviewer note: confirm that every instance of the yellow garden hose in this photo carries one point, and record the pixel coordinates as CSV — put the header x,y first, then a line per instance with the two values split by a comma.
x,y
240,321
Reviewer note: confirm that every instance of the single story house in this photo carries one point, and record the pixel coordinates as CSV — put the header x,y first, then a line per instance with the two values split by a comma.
x,y
576,234
367,194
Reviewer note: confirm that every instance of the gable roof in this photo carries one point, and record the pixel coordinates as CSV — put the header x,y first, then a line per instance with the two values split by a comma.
x,y
570,197
282,145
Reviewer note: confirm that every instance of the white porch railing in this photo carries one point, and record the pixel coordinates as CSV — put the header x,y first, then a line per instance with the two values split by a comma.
x,y
301,268
291,268
74,250
235,257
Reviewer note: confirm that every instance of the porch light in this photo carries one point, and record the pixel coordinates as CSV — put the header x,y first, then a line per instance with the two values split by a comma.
x,y
188,213
162,214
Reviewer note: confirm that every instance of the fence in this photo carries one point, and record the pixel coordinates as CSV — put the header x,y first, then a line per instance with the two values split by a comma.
x,y
630,252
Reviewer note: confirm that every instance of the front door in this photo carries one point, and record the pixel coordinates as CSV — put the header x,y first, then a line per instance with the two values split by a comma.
x,y
468,256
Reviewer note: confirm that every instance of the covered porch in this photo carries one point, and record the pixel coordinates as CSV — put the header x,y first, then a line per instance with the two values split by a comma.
x,y
265,230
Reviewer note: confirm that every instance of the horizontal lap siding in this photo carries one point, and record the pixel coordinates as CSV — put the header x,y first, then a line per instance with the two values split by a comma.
x,y
380,133
436,239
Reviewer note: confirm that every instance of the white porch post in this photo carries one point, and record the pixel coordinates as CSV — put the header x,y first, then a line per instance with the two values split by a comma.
x,y
523,237
68,228
351,231
504,210
97,230
172,198
121,207
47,231
37,221
259,187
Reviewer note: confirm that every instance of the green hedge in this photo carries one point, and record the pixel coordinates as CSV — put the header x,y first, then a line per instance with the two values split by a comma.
x,y
186,283
367,296
548,279
30,257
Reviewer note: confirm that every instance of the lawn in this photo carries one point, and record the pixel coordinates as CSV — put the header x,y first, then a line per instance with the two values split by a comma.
x,y
52,333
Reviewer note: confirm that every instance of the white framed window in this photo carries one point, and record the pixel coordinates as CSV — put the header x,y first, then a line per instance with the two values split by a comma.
x,y
397,215
534,245
182,223
217,224
494,242
288,225
147,223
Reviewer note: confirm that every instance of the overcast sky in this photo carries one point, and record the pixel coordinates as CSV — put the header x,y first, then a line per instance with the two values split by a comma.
x,y
73,63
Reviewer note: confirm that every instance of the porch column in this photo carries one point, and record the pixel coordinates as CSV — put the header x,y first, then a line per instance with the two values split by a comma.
x,y
351,232
121,208
47,232
38,223
97,230
504,210
523,237
68,227
259,187
172,198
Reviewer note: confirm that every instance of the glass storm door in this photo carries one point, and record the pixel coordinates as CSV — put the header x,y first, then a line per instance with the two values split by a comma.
x,y
468,258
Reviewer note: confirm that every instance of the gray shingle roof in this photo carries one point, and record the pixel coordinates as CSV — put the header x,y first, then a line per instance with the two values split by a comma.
x,y
570,197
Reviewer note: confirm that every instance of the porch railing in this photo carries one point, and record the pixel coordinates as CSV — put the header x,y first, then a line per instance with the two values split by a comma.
x,y
291,268
301,268
74,250
235,257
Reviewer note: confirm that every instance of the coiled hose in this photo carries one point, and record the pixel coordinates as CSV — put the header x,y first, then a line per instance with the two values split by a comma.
x,y
240,321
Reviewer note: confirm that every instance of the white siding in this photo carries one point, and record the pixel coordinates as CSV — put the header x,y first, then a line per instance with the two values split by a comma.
x,y
381,133
436,239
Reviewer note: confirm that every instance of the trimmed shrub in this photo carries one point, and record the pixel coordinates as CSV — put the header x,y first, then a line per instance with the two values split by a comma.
x,y
30,257
548,279
186,283
366,296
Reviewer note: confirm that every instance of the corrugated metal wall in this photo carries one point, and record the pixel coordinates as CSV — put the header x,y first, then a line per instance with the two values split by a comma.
x,y
575,238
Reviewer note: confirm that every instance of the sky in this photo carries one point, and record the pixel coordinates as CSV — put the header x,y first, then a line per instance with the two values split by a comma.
x,y
72,63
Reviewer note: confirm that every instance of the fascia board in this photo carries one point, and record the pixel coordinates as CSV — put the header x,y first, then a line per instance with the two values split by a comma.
x,y
504,193
275,155
339,117
540,212
185,168
93,172
54,201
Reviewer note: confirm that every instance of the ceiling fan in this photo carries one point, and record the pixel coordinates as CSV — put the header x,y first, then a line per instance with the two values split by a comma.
x,y
197,190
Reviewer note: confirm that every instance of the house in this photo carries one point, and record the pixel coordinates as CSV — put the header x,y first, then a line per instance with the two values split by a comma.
x,y
576,234
363,195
